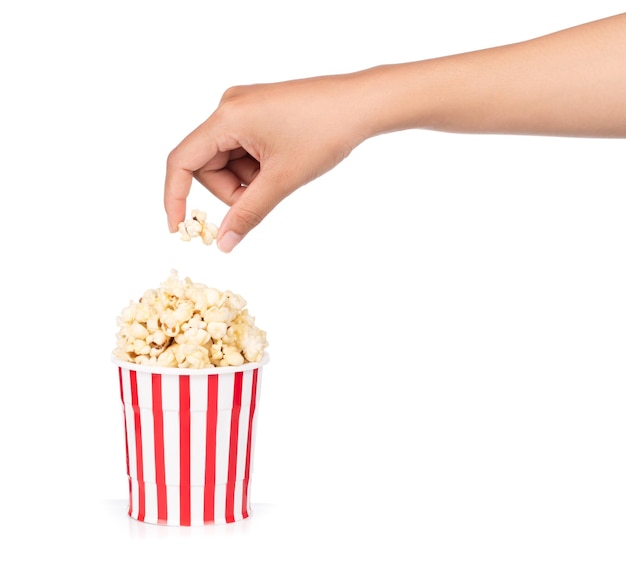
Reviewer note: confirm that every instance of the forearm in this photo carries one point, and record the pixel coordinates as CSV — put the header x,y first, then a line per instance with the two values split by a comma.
x,y
570,83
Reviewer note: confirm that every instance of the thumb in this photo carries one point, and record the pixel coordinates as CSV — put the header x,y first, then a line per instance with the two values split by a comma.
x,y
253,204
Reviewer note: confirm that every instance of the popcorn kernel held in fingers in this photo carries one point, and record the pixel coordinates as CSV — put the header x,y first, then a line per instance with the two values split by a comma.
x,y
197,226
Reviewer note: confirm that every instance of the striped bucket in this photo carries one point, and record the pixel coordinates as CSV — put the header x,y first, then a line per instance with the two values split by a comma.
x,y
189,442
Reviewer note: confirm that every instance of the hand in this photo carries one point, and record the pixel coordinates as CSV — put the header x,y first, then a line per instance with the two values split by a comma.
x,y
260,145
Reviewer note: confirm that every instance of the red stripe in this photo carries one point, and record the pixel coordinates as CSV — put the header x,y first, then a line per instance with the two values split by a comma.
x,y
211,449
246,476
130,483
159,449
232,456
185,452
138,448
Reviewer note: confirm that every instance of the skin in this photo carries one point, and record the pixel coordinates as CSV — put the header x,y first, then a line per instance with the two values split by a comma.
x,y
254,149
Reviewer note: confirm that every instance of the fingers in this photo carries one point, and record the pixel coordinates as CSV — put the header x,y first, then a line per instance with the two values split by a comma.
x,y
251,206
198,156
197,150
246,168
225,183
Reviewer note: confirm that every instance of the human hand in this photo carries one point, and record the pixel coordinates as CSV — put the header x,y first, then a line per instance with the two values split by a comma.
x,y
265,141
261,144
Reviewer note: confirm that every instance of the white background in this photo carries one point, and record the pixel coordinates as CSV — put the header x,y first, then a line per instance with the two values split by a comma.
x,y
446,313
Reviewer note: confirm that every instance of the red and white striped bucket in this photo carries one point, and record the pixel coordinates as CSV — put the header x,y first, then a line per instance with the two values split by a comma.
x,y
189,442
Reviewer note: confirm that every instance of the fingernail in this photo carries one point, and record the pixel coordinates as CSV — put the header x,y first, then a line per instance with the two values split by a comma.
x,y
228,241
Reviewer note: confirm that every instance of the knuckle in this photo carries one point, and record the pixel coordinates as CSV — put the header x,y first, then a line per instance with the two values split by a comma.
x,y
232,93
173,158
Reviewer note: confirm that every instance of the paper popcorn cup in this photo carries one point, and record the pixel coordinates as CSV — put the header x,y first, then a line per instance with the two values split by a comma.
x,y
190,437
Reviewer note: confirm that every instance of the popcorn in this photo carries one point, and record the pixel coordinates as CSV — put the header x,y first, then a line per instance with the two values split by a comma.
x,y
197,226
188,325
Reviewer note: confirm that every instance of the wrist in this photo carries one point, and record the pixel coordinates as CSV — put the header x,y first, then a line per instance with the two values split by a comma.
x,y
392,98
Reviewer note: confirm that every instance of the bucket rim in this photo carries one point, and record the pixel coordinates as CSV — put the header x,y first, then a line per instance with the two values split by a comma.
x,y
178,371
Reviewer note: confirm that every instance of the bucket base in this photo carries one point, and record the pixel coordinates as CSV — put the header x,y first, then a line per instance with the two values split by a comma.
x,y
197,506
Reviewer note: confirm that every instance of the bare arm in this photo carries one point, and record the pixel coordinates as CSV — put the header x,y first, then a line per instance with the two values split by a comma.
x,y
256,148
570,83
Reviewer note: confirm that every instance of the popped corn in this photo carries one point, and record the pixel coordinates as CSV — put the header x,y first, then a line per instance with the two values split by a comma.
x,y
197,226
188,325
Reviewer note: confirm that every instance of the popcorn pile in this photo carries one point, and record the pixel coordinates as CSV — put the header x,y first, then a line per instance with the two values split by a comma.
x,y
188,325
197,226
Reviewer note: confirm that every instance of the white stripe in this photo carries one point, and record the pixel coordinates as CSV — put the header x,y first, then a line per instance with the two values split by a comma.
x,y
171,435
144,398
151,514
135,499
169,392
226,387
249,505
225,404
198,385
255,426
173,505
130,438
244,424
198,390
242,441
220,502
198,395
197,505
222,443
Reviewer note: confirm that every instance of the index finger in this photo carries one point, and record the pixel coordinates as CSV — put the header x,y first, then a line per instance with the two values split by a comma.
x,y
177,187
191,154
